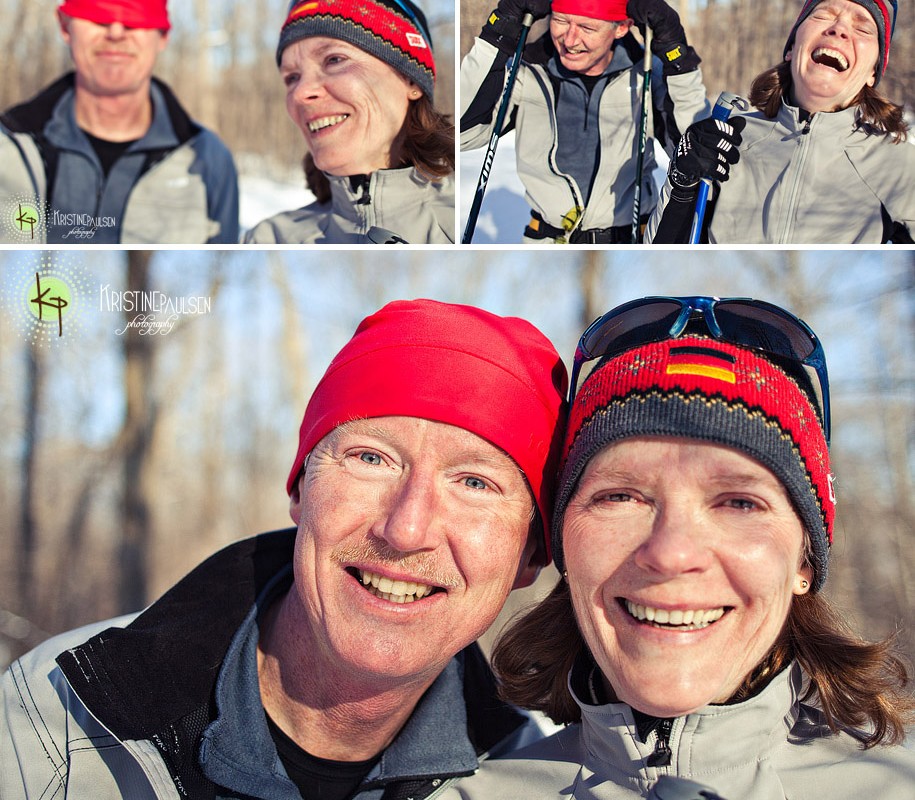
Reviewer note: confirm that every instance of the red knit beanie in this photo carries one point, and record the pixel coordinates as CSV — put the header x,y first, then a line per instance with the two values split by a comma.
x,y
706,389
497,377
130,13
609,10
395,31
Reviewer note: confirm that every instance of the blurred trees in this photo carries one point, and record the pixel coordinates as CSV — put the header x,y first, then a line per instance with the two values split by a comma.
x,y
221,63
124,462
738,39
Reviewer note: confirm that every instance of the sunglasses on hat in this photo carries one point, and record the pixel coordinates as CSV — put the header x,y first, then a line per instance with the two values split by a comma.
x,y
754,324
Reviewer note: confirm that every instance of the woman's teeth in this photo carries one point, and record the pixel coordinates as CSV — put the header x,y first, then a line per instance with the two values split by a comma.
x,y
391,590
326,122
692,619
830,58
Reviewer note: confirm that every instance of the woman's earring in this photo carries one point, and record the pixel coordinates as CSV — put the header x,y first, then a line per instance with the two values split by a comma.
x,y
805,584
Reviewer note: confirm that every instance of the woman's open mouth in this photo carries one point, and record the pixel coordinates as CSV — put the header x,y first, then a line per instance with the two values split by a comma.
x,y
688,620
827,57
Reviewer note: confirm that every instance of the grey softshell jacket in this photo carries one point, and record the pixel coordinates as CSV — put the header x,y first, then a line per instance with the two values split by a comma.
x,y
773,746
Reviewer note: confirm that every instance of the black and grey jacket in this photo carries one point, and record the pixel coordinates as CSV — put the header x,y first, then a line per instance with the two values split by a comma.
x,y
554,193
128,708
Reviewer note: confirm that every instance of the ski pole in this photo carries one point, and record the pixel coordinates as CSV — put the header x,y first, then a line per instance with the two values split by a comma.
x,y
727,102
526,23
643,139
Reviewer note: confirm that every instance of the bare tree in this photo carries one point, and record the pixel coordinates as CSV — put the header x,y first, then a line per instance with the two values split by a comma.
x,y
134,439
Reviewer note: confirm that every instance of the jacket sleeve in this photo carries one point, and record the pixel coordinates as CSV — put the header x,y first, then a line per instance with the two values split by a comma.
x,y
222,189
672,219
483,76
678,101
21,177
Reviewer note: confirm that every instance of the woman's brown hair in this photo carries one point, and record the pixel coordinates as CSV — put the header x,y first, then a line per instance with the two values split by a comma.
x,y
855,683
874,110
426,143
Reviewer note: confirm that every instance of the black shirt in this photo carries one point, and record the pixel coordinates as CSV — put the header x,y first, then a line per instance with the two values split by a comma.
x,y
318,778
108,152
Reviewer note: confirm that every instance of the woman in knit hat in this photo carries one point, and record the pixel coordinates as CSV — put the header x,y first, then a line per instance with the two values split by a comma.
x,y
688,638
823,157
359,80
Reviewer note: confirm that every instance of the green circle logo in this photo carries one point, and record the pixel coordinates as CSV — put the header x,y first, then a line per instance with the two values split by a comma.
x,y
49,300
26,218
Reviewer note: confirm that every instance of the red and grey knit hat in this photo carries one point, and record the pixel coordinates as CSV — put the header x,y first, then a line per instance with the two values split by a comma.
x,y
884,14
394,31
609,10
497,377
707,389
130,13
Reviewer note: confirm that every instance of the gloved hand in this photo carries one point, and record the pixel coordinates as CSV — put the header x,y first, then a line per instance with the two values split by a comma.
x,y
668,37
660,17
515,9
503,28
706,150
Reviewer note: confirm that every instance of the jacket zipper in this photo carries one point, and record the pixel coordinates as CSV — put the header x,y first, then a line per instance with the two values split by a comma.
x,y
803,144
551,160
662,752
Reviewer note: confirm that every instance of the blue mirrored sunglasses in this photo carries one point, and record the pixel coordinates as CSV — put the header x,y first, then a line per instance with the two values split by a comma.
x,y
742,321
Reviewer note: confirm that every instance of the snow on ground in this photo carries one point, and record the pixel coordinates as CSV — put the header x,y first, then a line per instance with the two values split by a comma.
x,y
504,212
262,193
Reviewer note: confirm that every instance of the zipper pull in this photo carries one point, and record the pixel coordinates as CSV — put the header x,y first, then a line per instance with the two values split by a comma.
x,y
361,182
662,752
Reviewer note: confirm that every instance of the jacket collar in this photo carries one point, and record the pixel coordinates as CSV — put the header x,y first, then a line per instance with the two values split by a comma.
x,y
745,731
33,115
828,123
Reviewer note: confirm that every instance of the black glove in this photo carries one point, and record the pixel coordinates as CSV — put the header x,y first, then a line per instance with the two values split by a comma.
x,y
516,9
668,40
706,150
503,28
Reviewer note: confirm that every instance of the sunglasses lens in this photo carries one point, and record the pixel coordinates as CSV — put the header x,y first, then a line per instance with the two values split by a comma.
x,y
763,329
631,327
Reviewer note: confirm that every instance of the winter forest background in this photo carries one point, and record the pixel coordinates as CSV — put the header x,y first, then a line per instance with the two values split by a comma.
x,y
127,459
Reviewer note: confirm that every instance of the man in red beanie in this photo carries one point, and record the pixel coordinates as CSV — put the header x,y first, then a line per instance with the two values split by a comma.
x,y
106,154
576,109
335,659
